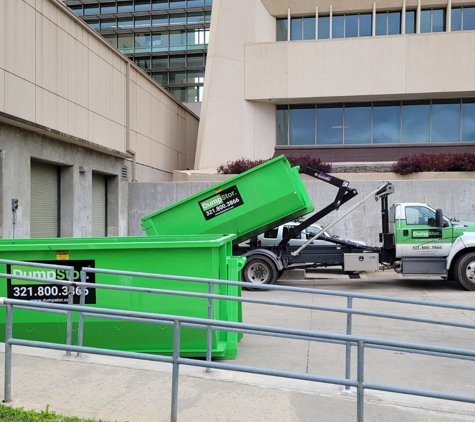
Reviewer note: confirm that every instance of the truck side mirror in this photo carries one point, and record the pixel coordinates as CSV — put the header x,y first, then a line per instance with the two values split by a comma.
x,y
439,218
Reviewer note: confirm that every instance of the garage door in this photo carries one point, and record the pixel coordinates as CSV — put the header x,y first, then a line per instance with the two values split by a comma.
x,y
99,205
45,201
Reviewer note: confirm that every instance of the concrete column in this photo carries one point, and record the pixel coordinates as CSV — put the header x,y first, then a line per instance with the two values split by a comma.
x,y
448,22
403,18
373,25
418,17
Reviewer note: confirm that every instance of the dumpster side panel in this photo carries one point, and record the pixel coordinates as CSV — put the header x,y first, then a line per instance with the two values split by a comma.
x,y
196,256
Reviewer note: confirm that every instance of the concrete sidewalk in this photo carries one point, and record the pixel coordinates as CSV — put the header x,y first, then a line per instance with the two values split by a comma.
x,y
117,389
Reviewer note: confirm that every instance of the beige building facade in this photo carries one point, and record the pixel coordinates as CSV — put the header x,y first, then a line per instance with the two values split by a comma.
x,y
342,80
78,122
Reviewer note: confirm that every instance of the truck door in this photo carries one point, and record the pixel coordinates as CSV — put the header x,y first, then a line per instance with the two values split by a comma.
x,y
417,235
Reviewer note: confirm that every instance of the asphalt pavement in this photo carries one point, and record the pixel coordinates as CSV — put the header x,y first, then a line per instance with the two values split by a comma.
x,y
118,389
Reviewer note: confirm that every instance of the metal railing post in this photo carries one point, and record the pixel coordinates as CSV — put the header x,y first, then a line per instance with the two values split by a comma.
x,y
81,315
349,320
7,397
175,373
360,379
69,324
209,331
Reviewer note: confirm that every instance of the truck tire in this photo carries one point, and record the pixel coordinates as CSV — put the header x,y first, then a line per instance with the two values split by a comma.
x,y
464,271
259,270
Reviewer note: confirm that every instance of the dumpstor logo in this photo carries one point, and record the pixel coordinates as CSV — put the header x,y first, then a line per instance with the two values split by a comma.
x,y
211,202
426,234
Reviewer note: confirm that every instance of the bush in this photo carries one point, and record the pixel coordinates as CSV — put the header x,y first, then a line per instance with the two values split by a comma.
x,y
243,164
434,162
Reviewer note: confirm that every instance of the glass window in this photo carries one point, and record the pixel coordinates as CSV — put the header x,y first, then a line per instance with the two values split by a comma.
x,y
382,23
91,9
411,22
94,24
358,123
159,4
426,20
126,43
309,28
160,20
108,24
195,76
142,5
196,60
160,77
468,18
338,27
468,120
143,62
195,17
125,6
324,27
177,40
282,124
302,126
160,61
179,93
386,122
77,10
207,16
415,122
329,124
112,39
178,19
394,23
208,2
456,19
177,4
143,42
160,41
296,28
366,22
194,94
195,3
108,8
142,21
445,121
351,26
177,61
195,38
124,23
438,20
281,30
177,77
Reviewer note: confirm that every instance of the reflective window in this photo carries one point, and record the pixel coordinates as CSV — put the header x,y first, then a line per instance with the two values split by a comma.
x,y
281,30
142,5
381,23
432,20
468,18
160,20
195,76
426,20
160,77
351,26
126,43
177,4
195,17
207,16
296,26
177,40
177,77
124,23
91,9
179,93
411,22
338,26
468,120
456,19
125,6
386,122
196,39
194,94
196,60
143,42
329,124
415,122
159,4
302,131
177,61
77,10
94,24
112,39
309,28
108,24
143,62
323,27
160,61
388,23
366,22
282,124
195,3
358,123
142,21
445,121
178,19
160,41
108,8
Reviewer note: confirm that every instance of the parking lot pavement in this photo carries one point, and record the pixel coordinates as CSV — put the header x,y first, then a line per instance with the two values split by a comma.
x,y
138,391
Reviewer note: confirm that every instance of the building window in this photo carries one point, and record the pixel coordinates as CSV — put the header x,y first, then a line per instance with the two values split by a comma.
x,y
463,18
126,43
282,28
302,28
107,8
160,62
159,4
432,20
389,122
125,6
91,9
108,24
143,62
160,77
323,27
77,10
411,22
179,93
142,5
177,61
142,22
388,23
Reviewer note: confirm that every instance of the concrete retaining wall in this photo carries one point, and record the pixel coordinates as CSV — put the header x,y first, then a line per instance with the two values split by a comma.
x,y
456,197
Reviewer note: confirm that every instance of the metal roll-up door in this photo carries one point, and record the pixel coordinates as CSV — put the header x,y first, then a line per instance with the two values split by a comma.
x,y
99,205
45,201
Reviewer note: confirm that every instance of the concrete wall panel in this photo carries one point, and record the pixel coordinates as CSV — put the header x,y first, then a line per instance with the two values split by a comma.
x,y
78,120
51,110
19,97
2,34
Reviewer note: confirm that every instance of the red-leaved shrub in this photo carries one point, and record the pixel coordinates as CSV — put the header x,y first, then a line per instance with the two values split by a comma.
x,y
434,162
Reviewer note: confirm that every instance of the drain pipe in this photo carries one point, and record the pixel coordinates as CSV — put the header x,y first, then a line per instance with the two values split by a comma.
x,y
128,107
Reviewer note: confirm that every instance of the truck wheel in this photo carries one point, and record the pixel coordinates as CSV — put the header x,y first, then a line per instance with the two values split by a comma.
x,y
259,270
464,271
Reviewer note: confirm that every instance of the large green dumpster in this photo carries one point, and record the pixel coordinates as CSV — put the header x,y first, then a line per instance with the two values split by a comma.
x,y
207,256
246,205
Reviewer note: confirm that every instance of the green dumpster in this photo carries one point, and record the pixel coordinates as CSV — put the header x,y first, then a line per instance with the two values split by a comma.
x,y
246,205
206,256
